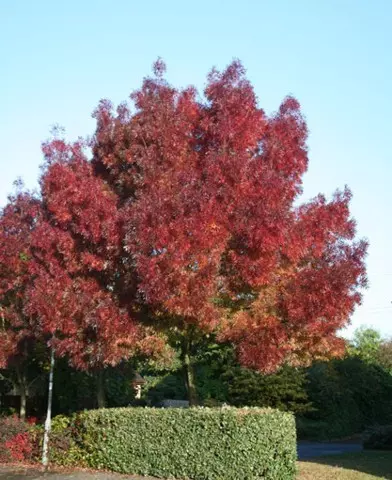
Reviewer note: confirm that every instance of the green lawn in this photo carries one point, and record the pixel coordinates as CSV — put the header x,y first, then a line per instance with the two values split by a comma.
x,y
354,466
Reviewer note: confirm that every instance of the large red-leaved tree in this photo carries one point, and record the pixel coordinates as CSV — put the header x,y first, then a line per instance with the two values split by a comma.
x,y
215,241
186,222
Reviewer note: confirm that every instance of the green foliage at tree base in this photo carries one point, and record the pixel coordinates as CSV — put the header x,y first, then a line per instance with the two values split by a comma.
x,y
64,449
196,443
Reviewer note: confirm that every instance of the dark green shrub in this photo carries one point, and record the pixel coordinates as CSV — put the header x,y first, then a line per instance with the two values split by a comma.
x,y
119,389
348,395
73,390
317,430
158,388
199,444
378,438
285,389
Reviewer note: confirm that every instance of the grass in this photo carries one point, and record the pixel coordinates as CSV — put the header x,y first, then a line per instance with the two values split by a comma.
x,y
368,465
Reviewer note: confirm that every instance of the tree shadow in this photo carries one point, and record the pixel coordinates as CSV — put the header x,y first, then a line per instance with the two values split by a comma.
x,y
377,463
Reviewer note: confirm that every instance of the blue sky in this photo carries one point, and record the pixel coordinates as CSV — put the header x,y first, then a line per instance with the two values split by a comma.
x,y
59,58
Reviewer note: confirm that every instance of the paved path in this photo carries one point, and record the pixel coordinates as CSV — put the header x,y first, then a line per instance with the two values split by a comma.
x,y
9,473
314,449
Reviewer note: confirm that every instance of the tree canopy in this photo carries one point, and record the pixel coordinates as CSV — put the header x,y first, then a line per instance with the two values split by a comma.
x,y
186,221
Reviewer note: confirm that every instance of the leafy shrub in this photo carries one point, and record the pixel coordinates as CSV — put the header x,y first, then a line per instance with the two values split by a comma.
x,y
119,389
317,430
378,438
63,449
16,439
348,395
285,389
169,385
73,389
19,447
199,444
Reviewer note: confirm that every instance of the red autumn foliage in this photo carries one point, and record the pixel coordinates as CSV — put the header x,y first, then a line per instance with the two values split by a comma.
x,y
188,214
208,193
16,440
76,250
17,223
19,447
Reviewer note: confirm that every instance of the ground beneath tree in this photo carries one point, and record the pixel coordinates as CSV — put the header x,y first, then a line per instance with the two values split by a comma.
x,y
16,473
306,450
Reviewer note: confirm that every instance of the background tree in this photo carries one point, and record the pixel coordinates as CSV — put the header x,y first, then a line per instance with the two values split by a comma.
x,y
384,355
20,340
348,395
366,344
74,248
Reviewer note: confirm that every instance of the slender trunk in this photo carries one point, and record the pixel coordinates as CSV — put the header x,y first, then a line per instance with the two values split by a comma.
x,y
101,399
48,421
22,387
190,382
23,401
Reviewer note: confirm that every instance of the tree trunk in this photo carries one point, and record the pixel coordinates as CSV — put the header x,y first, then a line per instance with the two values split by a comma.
x,y
101,399
23,401
48,421
22,386
189,373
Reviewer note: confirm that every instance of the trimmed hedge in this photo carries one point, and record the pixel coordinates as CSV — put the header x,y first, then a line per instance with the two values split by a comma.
x,y
196,443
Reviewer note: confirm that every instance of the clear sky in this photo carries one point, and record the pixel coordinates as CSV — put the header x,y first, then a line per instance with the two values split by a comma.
x,y
59,58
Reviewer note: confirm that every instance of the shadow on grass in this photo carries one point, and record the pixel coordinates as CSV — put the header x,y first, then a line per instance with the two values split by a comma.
x,y
370,462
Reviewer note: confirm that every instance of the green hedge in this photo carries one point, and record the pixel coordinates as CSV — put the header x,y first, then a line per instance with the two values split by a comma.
x,y
199,444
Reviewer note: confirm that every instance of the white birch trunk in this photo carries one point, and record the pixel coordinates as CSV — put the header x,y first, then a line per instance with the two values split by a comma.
x,y
48,421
